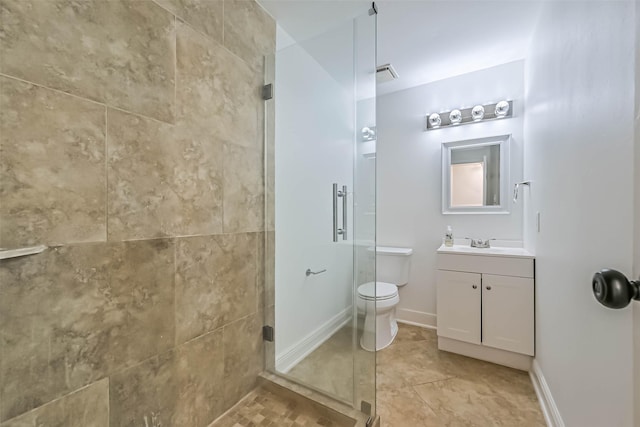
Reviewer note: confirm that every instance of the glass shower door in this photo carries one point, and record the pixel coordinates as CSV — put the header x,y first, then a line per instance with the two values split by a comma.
x,y
320,209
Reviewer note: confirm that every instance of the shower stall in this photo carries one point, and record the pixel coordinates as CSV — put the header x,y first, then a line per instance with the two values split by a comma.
x,y
320,213
174,193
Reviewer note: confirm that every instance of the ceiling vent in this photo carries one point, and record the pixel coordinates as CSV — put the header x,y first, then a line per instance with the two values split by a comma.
x,y
385,73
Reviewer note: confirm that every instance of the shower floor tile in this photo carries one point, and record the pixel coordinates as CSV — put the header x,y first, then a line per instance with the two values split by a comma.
x,y
264,408
330,366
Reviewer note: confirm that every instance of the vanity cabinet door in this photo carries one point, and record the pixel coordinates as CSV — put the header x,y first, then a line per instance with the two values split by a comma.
x,y
459,304
508,313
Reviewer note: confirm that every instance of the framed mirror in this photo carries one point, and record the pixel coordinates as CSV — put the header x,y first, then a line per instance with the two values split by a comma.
x,y
475,176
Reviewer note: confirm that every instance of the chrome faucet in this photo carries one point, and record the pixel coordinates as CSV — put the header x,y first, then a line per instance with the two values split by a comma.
x,y
479,243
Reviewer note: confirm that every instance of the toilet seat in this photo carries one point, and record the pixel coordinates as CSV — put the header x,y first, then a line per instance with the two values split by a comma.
x,y
377,291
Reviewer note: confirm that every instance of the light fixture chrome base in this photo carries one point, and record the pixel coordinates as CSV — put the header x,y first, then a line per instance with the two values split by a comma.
x,y
489,114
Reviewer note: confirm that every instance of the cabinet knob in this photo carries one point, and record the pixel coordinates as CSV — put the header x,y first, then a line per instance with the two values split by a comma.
x,y
488,288
475,286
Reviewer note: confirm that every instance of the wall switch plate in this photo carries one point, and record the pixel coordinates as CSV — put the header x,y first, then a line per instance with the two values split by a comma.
x,y
538,221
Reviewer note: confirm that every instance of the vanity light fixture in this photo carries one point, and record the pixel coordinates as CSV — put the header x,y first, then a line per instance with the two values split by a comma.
x,y
502,108
435,121
455,116
476,114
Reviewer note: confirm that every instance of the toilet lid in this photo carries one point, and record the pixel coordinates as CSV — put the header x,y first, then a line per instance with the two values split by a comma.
x,y
383,290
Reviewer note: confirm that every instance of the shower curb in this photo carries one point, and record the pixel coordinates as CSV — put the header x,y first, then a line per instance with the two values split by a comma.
x,y
339,412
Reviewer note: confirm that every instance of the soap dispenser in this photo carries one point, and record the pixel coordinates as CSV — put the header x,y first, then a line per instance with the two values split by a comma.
x,y
448,237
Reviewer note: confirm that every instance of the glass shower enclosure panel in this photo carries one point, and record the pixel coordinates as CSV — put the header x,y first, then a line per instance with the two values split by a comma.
x,y
320,209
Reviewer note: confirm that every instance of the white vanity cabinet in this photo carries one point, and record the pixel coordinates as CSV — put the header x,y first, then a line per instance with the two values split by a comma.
x,y
485,304
459,305
507,313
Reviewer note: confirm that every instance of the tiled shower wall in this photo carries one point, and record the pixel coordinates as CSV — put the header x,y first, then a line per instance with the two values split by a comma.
x,y
131,143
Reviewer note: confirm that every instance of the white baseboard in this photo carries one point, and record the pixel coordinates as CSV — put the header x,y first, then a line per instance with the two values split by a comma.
x,y
416,318
488,354
549,408
291,356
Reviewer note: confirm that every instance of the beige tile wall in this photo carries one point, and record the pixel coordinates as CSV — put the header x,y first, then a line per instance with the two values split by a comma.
x,y
131,141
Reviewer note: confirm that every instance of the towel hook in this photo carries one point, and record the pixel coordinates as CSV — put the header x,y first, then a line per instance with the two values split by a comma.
x,y
516,189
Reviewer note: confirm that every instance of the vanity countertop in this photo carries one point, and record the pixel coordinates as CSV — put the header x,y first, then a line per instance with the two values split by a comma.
x,y
497,251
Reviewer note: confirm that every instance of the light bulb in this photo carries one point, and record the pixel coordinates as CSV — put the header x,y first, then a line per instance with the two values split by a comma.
x,y
434,120
456,117
477,113
502,108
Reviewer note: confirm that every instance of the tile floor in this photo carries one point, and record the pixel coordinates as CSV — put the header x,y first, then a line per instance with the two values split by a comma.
x,y
418,385
264,408
330,367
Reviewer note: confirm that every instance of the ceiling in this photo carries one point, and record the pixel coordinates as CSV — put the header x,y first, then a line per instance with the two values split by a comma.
x,y
425,40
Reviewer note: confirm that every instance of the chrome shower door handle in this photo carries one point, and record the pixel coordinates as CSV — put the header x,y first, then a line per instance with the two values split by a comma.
x,y
335,212
344,212
339,231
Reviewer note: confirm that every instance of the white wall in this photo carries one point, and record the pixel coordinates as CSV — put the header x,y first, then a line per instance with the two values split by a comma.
x,y
409,173
313,149
579,154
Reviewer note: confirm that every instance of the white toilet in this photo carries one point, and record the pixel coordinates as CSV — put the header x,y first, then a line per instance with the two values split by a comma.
x,y
378,300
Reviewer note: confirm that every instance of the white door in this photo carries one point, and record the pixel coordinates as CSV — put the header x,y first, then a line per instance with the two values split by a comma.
x,y
459,304
636,257
636,322
507,313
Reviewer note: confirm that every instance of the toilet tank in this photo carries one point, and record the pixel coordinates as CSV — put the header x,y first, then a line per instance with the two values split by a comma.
x,y
392,264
